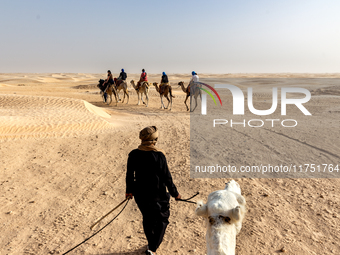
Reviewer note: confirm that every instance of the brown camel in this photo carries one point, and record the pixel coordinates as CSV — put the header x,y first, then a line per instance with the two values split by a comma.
x,y
166,91
123,86
192,91
109,91
143,88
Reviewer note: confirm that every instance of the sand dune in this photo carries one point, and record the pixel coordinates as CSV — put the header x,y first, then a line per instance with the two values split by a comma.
x,y
21,81
33,116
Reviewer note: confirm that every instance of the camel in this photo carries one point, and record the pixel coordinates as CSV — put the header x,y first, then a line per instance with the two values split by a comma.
x,y
122,86
193,91
109,91
165,93
224,213
144,88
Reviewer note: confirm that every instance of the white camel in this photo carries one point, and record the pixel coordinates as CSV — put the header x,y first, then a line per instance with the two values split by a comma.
x,y
224,213
143,88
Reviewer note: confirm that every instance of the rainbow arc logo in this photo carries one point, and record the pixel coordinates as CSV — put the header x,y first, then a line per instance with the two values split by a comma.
x,y
208,92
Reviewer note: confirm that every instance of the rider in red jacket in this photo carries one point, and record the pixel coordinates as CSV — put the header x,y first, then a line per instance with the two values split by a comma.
x,y
143,77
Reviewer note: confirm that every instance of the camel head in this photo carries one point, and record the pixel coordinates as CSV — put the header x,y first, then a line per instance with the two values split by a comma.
x,y
132,82
156,85
100,84
185,89
101,81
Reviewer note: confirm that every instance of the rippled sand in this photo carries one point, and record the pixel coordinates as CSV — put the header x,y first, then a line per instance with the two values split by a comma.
x,y
38,116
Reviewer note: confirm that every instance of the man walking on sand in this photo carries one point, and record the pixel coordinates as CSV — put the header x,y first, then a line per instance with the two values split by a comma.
x,y
147,179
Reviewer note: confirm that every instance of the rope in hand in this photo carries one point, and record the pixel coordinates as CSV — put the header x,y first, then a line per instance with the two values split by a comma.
x,y
102,227
187,200
127,201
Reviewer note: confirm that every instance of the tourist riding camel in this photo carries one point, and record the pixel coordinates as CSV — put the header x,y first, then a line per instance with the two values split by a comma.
x,y
166,92
122,77
106,87
143,89
191,90
122,86
164,82
109,79
193,79
107,91
143,78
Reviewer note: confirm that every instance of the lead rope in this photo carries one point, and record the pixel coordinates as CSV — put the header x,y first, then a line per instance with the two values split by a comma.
x,y
98,230
187,200
181,200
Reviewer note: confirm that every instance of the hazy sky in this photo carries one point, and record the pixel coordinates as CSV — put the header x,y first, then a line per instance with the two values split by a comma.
x,y
171,36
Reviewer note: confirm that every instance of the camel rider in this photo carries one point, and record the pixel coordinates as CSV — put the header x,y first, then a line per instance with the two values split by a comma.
x,y
193,79
164,83
147,179
143,77
122,77
109,80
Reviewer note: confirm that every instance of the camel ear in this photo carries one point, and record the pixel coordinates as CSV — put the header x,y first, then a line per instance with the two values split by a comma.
x,y
240,199
201,209
236,213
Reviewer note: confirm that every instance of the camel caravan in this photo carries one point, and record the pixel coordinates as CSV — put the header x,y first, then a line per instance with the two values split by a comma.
x,y
112,86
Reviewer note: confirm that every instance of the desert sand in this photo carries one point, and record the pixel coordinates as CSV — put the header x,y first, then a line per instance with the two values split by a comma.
x,y
63,159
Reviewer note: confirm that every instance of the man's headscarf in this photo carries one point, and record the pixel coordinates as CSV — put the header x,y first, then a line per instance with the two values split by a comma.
x,y
149,137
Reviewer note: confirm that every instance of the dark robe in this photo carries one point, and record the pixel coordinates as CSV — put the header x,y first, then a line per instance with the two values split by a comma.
x,y
147,178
